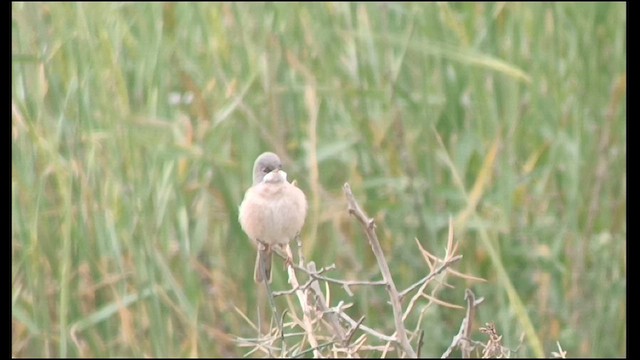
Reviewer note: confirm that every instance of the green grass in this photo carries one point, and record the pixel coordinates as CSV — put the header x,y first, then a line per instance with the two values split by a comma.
x,y
125,239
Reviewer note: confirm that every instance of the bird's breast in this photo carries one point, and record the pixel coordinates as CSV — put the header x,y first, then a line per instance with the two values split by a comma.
x,y
273,213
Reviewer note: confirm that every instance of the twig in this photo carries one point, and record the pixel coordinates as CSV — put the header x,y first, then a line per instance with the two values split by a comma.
x,y
344,283
369,229
302,298
442,267
432,299
302,287
332,318
314,349
420,341
560,354
353,329
272,303
314,275
462,338
367,329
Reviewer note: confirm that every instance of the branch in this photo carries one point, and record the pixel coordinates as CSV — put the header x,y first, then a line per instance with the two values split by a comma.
x,y
366,329
463,337
306,311
315,275
369,229
321,302
346,284
442,267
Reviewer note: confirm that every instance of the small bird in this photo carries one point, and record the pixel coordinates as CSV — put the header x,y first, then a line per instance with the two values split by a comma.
x,y
272,212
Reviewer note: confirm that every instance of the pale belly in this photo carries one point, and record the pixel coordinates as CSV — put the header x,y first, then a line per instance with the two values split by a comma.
x,y
273,215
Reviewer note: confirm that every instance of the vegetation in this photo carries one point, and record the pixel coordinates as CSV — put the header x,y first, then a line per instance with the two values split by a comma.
x,y
135,127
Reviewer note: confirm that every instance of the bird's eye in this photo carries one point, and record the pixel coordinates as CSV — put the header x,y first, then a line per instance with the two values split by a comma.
x,y
266,170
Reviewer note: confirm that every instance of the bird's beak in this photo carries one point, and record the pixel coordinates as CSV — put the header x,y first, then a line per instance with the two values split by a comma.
x,y
276,175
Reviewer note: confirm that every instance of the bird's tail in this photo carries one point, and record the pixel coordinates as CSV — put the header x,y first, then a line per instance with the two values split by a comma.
x,y
263,265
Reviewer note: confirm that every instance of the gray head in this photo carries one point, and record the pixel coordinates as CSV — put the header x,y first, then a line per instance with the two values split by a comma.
x,y
265,163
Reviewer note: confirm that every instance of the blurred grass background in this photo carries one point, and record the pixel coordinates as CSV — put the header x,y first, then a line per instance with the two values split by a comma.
x,y
135,126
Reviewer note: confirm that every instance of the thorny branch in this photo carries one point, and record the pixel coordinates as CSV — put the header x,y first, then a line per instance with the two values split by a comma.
x,y
462,338
369,228
339,339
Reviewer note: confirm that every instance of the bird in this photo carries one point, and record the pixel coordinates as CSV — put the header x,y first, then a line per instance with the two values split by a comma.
x,y
272,212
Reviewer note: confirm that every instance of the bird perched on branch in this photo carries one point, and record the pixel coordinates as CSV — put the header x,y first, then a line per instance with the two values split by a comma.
x,y
272,212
